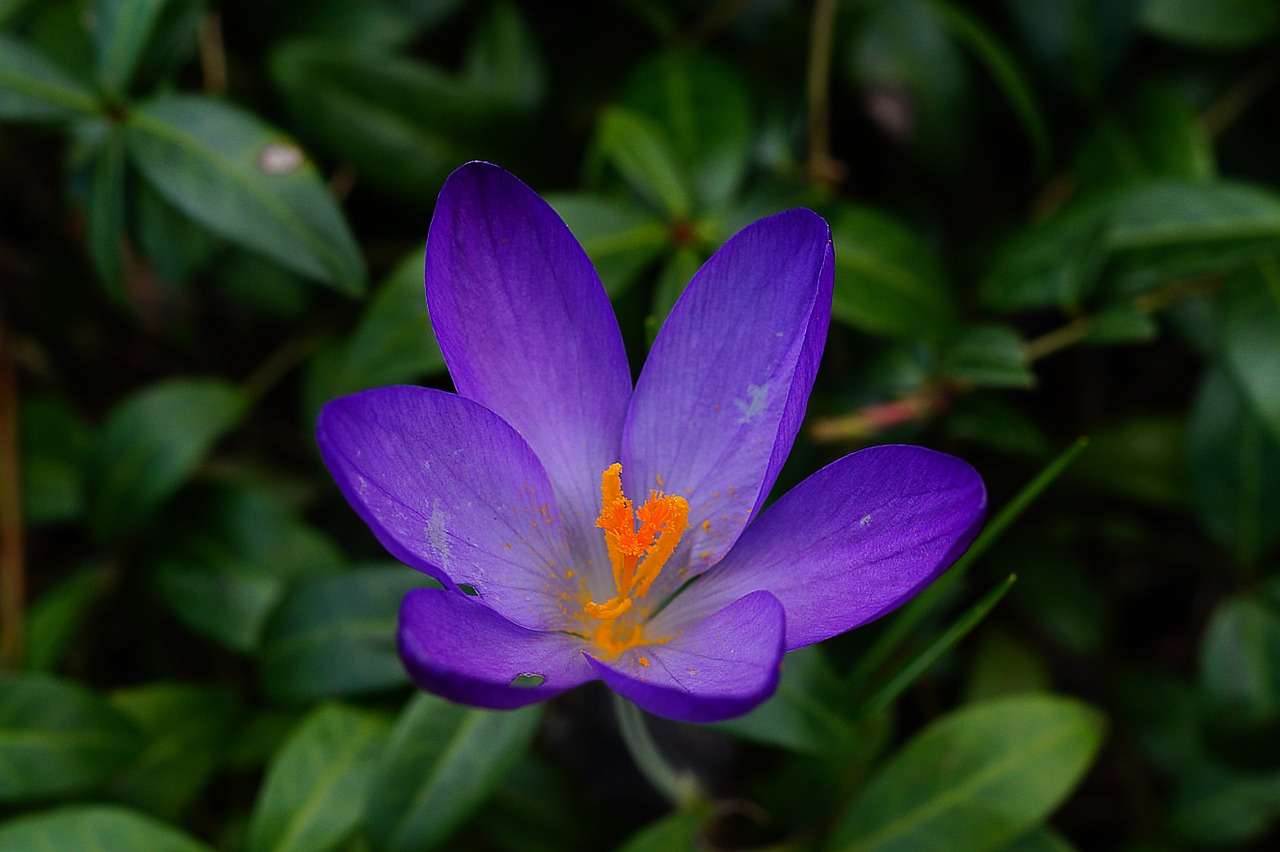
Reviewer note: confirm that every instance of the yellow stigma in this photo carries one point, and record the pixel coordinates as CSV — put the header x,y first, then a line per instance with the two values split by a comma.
x,y
640,542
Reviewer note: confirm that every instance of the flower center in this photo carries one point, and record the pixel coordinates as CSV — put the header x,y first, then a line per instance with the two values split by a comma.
x,y
640,542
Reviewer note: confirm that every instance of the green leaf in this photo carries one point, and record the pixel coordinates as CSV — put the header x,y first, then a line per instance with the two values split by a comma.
x,y
1139,458
1078,43
621,238
1156,134
231,558
978,778
315,790
808,713
1005,70
337,634
888,280
1250,335
907,619
637,148
247,182
703,111
684,829
504,59
1039,839
187,731
1152,231
1214,807
93,827
988,356
177,249
442,761
55,446
1233,466
58,739
882,699
403,124
151,444
34,89
105,212
1003,665
1238,677
121,30
674,278
55,618
1223,24
391,344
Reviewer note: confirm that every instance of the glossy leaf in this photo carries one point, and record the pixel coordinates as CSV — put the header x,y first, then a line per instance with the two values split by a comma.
x,y
620,237
93,827
391,344
1078,43
230,560
1155,134
55,618
245,181
403,124
1217,24
988,356
1139,458
638,149
106,214
808,713
187,730
1233,465
504,58
58,739
314,793
336,634
888,280
441,762
32,88
121,30
704,112
1241,693
978,778
1250,335
151,444
682,829
1004,68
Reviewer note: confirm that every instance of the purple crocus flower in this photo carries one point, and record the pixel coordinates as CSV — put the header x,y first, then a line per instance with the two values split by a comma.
x,y
612,533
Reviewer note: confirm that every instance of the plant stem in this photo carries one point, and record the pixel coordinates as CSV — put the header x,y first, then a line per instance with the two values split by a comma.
x,y
679,788
818,85
12,571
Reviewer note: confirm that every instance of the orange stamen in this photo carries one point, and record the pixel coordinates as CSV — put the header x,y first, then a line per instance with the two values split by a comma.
x,y
640,541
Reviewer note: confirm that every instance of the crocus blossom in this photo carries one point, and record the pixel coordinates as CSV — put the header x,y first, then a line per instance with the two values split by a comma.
x,y
608,532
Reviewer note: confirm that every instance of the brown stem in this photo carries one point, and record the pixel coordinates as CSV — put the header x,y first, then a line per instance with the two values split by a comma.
x,y
1058,339
1229,106
12,569
870,420
822,167
213,55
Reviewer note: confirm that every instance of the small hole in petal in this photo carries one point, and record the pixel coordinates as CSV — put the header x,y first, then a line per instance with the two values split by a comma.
x,y
468,590
528,680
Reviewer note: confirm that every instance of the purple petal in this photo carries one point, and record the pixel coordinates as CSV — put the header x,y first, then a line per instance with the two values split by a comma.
x,y
450,488
722,395
716,669
527,331
458,648
850,543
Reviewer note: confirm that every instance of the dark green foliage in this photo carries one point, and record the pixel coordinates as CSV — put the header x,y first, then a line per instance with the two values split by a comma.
x,y
1051,218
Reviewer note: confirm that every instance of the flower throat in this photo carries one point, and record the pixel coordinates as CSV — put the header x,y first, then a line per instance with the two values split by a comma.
x,y
640,542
